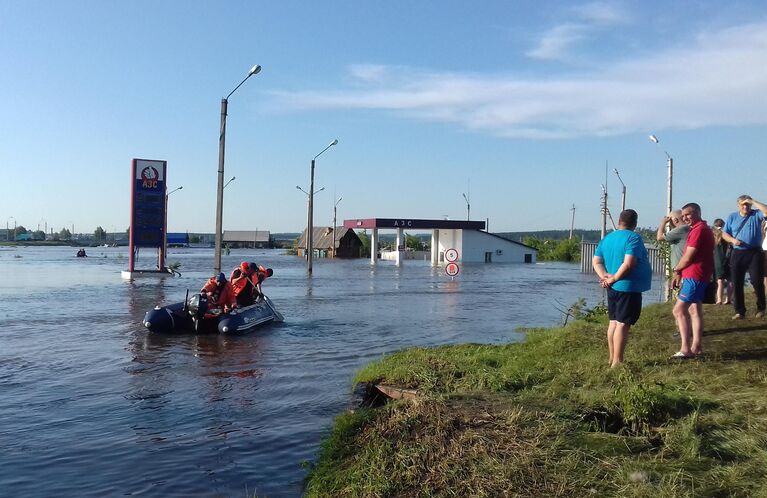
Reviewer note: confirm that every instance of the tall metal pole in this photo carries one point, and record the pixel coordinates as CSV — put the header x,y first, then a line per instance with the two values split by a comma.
x,y
310,223
572,221
670,183
604,213
335,209
468,207
220,188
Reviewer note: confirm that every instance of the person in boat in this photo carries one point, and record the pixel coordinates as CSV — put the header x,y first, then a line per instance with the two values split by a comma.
x,y
261,274
81,253
243,278
246,281
220,293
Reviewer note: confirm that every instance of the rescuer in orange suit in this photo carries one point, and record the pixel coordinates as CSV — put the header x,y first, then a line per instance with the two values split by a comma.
x,y
246,281
220,293
242,279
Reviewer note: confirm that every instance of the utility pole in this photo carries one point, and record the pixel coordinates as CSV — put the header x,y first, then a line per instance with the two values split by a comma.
x,y
572,221
604,212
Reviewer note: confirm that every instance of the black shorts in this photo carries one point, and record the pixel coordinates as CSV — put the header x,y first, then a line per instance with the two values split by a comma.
x,y
624,307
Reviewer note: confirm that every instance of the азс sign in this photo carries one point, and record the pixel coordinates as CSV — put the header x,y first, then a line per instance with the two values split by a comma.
x,y
147,227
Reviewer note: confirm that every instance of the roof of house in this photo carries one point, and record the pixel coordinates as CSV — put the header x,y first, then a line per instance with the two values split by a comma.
x,y
323,237
246,235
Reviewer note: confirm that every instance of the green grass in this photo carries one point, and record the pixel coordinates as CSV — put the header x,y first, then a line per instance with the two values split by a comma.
x,y
547,417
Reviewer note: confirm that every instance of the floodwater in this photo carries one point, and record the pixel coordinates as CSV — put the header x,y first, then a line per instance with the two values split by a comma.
x,y
92,404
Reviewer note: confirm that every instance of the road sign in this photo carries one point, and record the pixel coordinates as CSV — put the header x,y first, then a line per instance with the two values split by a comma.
x,y
452,269
451,255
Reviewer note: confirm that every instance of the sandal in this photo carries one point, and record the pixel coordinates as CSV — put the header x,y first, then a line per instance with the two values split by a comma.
x,y
681,356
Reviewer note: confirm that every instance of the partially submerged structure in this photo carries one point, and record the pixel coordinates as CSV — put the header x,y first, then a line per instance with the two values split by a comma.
x,y
468,238
340,243
247,238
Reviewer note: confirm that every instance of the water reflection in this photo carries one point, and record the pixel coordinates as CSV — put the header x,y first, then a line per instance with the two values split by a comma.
x,y
85,384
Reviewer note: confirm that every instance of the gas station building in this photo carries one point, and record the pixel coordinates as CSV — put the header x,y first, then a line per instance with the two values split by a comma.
x,y
473,244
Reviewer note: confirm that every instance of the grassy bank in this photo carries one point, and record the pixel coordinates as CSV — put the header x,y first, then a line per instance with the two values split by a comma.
x,y
548,418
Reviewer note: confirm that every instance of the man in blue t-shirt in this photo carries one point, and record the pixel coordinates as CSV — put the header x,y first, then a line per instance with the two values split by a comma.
x,y
621,263
743,230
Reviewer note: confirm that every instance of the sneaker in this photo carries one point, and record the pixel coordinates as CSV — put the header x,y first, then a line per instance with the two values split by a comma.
x,y
737,316
759,314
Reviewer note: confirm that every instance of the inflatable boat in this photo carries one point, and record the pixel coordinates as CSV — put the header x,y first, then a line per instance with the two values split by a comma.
x,y
193,315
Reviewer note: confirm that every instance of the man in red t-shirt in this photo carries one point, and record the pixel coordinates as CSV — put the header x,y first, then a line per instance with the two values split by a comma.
x,y
694,271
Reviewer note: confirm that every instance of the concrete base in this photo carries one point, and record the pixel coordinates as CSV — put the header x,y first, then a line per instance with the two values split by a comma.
x,y
130,275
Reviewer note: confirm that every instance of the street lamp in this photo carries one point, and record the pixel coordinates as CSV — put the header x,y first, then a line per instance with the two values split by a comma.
x,y
220,190
335,207
306,244
654,139
230,181
468,207
310,224
165,232
7,230
623,192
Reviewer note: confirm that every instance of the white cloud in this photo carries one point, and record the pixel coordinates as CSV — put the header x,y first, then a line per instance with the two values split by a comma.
x,y
718,81
557,42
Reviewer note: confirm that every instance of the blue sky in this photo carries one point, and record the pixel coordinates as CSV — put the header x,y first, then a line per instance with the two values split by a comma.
x,y
518,104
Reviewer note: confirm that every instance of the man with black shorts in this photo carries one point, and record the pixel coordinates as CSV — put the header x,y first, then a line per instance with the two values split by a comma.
x,y
621,263
694,271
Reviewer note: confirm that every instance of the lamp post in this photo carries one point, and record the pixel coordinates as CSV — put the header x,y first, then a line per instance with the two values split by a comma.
x,y
335,208
670,163
468,207
230,181
623,192
7,230
220,190
165,232
310,224
306,245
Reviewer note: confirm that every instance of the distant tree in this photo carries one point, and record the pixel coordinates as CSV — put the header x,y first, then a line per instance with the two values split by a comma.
x,y
412,242
365,249
20,230
99,234
65,234
38,235
194,239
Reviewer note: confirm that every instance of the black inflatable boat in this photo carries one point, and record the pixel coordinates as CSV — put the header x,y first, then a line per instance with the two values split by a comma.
x,y
193,315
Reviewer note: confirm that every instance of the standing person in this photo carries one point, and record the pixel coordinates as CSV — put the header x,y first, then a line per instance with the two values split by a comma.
x,y
744,231
621,263
676,236
764,249
721,265
694,272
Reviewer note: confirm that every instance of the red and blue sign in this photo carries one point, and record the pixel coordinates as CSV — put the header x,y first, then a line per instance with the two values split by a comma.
x,y
147,226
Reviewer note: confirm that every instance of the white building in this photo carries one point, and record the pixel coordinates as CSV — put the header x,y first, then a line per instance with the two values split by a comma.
x,y
466,237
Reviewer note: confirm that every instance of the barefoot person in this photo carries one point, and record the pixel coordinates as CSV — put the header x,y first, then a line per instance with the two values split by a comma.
x,y
694,271
621,263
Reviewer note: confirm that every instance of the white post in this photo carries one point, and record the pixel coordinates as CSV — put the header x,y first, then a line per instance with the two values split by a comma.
x,y
374,246
400,242
435,247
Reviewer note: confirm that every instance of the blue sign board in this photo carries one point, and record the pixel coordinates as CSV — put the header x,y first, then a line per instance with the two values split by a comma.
x,y
147,226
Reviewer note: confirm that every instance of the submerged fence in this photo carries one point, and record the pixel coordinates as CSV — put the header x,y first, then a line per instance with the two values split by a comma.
x,y
588,249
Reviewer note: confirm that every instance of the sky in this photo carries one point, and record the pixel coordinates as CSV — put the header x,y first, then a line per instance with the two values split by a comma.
x,y
526,107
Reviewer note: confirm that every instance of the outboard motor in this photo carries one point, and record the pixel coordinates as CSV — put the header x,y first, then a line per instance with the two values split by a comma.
x,y
197,306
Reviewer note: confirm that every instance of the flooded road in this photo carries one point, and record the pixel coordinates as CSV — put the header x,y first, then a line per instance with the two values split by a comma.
x,y
92,404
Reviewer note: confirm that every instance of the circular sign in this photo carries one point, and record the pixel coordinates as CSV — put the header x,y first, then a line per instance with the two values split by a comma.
x,y
451,255
452,269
